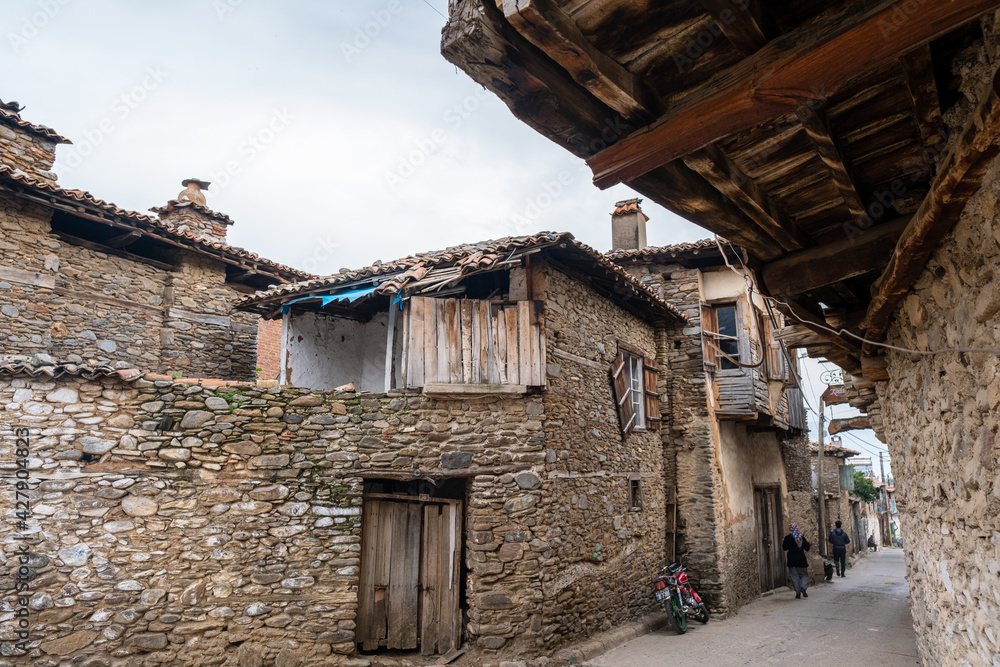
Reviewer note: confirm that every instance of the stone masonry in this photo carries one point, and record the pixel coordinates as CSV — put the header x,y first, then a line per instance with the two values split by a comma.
x,y
939,416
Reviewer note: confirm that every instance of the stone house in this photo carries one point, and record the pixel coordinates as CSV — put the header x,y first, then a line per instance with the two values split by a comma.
x,y
89,283
517,482
735,434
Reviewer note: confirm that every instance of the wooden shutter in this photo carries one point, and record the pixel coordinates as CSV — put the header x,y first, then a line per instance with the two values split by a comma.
x,y
619,381
707,341
652,396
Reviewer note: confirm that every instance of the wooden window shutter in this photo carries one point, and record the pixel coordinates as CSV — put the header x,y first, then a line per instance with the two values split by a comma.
x,y
652,396
619,381
707,340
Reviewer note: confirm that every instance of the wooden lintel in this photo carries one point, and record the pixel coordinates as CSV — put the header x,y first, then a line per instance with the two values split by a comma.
x,y
725,175
548,27
817,126
958,177
743,23
810,269
443,473
242,275
803,66
918,73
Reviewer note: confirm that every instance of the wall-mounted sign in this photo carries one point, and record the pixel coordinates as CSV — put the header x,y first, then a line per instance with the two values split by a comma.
x,y
834,394
849,424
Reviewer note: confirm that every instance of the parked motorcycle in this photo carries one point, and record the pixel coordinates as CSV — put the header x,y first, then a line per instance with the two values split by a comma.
x,y
671,587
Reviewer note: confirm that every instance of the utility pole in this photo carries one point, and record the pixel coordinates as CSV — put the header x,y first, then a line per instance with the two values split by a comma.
x,y
883,518
819,481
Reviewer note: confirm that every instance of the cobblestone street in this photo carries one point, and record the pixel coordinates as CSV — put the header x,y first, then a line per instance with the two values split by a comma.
x,y
864,617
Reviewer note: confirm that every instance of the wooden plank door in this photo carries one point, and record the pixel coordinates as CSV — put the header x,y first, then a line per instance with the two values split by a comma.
x,y
441,622
778,576
390,575
770,563
763,539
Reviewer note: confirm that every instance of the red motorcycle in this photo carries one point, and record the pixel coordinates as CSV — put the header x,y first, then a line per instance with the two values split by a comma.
x,y
672,588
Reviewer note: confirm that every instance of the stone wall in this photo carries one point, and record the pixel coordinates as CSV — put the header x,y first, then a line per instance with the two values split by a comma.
x,y
940,420
27,151
600,554
85,306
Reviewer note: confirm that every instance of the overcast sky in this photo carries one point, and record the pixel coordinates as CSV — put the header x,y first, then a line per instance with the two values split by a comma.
x,y
334,132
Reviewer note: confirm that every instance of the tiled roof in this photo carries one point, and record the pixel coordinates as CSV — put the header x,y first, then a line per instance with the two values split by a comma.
x,y
154,227
460,261
832,449
194,206
42,365
40,130
652,252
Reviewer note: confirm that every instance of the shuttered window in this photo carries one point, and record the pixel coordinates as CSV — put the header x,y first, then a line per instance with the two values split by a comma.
x,y
634,379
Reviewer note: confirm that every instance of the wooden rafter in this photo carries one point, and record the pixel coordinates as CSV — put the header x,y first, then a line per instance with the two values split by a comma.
x,y
726,176
845,354
122,240
805,65
810,269
549,28
817,126
958,178
918,73
743,23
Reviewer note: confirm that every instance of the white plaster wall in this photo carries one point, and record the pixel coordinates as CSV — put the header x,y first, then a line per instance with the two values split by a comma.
x,y
324,352
747,460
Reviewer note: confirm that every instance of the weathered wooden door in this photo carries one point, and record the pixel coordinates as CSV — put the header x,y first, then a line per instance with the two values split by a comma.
x,y
770,560
410,559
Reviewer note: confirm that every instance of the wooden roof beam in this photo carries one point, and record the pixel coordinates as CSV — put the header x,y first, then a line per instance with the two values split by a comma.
x,y
549,28
726,176
805,65
811,269
817,126
122,240
959,176
743,23
918,73
848,355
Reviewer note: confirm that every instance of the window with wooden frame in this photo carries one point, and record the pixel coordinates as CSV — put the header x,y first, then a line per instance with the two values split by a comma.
x,y
722,331
635,494
775,365
634,380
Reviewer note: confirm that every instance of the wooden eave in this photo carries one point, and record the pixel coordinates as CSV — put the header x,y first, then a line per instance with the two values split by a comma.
x,y
810,134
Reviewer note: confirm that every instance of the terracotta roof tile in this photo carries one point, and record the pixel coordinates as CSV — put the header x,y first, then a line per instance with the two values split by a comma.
x,y
155,227
628,206
42,365
652,252
467,258
40,130
832,449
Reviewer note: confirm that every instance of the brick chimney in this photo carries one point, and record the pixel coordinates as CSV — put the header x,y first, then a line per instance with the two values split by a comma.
x,y
27,148
628,226
189,214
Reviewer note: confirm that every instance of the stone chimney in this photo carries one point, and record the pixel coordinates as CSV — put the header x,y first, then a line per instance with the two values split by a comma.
x,y
189,213
628,226
27,148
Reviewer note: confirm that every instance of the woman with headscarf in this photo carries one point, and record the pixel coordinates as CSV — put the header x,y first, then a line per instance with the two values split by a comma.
x,y
798,567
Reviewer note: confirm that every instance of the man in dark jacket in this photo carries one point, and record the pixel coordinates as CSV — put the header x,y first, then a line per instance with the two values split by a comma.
x,y
798,567
839,540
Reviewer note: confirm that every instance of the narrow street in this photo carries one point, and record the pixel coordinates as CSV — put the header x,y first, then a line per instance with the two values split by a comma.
x,y
864,616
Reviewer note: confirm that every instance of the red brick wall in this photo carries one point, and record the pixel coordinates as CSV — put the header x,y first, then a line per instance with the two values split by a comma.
x,y
268,348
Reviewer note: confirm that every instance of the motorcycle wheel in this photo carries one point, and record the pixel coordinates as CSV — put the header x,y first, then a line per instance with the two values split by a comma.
x,y
677,617
701,613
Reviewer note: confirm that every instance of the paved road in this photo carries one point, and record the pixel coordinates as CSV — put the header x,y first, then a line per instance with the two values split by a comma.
x,y
862,618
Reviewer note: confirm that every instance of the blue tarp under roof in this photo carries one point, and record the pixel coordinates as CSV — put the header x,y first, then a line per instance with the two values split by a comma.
x,y
347,295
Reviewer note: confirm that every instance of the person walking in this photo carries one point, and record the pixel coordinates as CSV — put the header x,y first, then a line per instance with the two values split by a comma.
x,y
839,539
798,567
